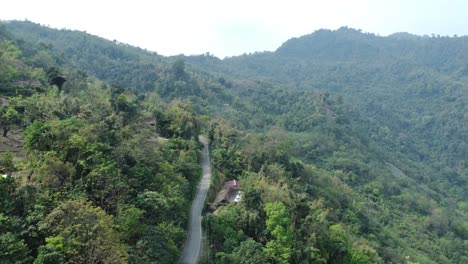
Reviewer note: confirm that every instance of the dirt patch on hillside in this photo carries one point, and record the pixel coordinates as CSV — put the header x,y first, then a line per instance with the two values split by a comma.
x,y
13,143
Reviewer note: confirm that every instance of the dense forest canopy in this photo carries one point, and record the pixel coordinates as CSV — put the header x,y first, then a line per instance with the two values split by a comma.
x,y
349,147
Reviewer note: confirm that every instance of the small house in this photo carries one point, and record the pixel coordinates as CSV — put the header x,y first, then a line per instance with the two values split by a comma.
x,y
230,193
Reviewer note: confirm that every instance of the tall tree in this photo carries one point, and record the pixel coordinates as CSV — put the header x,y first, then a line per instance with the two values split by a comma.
x,y
278,224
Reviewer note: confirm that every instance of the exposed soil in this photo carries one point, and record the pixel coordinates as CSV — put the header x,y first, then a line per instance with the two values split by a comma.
x,y
13,142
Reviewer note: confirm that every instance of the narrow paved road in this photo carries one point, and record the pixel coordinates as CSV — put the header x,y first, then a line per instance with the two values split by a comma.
x,y
192,245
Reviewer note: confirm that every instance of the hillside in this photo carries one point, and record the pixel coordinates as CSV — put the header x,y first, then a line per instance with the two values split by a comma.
x,y
413,90
349,147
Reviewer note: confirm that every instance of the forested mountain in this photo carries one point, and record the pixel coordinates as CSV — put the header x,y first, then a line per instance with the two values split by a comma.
x,y
130,66
349,147
414,86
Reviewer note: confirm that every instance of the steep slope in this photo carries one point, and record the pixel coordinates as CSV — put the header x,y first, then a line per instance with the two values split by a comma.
x,y
107,60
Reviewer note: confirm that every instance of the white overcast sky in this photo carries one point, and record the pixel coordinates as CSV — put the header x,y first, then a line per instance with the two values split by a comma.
x,y
234,27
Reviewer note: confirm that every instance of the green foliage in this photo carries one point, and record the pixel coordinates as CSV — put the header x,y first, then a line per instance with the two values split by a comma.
x,y
179,121
228,161
339,244
359,258
70,45
84,232
8,117
7,165
16,76
248,252
7,188
13,250
178,69
225,230
155,205
160,244
130,224
49,255
91,143
55,174
278,224
52,252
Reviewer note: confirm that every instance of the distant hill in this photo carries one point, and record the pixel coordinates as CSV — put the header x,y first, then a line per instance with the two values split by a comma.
x,y
108,60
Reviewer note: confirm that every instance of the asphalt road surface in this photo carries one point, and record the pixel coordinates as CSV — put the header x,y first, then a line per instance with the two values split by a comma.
x,y
192,246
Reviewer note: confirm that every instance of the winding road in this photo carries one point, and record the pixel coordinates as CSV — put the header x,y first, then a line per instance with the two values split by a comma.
x,y
192,246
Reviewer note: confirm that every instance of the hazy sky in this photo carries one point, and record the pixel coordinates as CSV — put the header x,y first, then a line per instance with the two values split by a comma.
x,y
226,28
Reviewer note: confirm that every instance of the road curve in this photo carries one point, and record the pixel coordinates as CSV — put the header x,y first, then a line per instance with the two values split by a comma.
x,y
192,246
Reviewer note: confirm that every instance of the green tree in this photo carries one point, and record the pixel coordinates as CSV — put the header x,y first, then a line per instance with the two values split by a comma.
x,y
88,233
13,249
339,245
9,54
248,252
6,163
160,244
51,253
54,174
178,69
7,189
130,224
278,224
8,118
